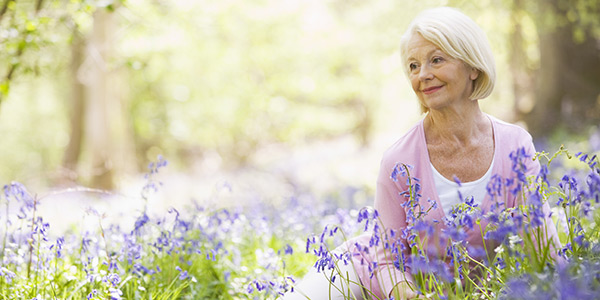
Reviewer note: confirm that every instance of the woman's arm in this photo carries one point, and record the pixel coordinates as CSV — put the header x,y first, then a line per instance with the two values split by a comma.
x,y
390,274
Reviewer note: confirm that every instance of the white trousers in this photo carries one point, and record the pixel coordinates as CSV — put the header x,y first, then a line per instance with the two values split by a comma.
x,y
318,286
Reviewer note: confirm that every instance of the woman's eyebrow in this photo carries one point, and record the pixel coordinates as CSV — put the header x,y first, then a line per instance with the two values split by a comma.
x,y
428,54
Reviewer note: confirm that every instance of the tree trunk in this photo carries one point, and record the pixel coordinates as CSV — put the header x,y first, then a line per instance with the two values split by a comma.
x,y
100,97
522,79
77,104
546,114
568,81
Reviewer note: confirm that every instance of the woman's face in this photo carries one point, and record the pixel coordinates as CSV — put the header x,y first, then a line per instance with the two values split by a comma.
x,y
439,80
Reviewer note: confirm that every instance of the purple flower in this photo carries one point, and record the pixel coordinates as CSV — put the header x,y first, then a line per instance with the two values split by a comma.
x,y
543,174
519,288
288,250
535,198
467,221
308,243
7,274
457,181
501,233
139,223
400,169
363,214
455,233
113,279
421,225
115,294
18,192
182,274
152,185
422,264
91,295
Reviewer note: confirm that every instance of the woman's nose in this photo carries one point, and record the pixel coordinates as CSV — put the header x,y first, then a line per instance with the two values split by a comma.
x,y
425,73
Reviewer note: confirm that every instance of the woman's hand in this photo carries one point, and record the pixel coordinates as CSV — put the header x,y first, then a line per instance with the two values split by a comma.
x,y
404,291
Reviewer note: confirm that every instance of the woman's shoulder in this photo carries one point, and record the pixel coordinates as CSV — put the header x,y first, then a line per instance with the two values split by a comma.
x,y
407,148
510,138
512,132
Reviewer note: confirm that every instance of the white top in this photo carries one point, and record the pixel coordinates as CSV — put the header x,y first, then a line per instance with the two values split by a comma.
x,y
448,189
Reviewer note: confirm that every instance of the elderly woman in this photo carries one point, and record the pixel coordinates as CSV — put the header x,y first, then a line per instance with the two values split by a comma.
x,y
455,148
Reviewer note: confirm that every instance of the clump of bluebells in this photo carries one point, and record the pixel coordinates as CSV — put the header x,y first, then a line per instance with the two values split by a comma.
x,y
517,261
259,251
192,253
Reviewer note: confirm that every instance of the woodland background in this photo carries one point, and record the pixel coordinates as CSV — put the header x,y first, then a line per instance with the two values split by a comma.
x,y
91,91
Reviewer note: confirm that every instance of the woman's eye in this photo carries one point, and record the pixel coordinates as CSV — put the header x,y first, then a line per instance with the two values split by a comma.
x,y
437,60
412,66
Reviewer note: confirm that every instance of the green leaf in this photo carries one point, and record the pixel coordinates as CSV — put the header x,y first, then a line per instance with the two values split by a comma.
x,y
30,26
5,87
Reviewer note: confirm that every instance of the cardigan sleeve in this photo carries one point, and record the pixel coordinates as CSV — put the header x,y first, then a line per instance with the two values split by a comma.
x,y
392,218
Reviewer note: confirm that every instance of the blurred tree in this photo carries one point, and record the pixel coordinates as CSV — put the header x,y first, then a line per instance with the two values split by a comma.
x,y
219,80
23,34
567,90
105,137
101,98
33,28
77,106
244,74
520,64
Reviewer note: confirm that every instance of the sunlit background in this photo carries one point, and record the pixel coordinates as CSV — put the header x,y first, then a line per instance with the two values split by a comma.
x,y
277,95
273,116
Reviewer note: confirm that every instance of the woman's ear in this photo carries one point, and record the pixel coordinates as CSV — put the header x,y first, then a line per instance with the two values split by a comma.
x,y
474,74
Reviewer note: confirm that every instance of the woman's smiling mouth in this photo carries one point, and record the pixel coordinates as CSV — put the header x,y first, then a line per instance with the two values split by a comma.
x,y
431,90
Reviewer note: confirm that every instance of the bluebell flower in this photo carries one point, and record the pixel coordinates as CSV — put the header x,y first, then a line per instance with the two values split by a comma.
x,y
115,294
501,232
420,263
18,192
518,288
457,181
423,226
91,295
593,184
308,243
470,201
113,278
400,169
494,187
322,237
182,273
7,274
467,221
543,174
536,219
399,263
455,233
363,214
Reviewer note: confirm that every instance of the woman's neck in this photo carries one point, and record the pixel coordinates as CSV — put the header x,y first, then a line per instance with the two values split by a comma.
x,y
461,127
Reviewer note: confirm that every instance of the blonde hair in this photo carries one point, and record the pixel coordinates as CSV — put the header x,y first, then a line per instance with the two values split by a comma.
x,y
458,36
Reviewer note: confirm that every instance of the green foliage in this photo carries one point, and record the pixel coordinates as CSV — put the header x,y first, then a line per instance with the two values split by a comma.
x,y
252,74
201,79
31,33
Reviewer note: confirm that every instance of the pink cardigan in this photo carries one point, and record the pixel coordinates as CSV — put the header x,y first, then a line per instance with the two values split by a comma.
x,y
411,149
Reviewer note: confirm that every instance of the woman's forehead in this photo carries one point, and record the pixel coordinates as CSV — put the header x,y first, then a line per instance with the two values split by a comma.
x,y
418,47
